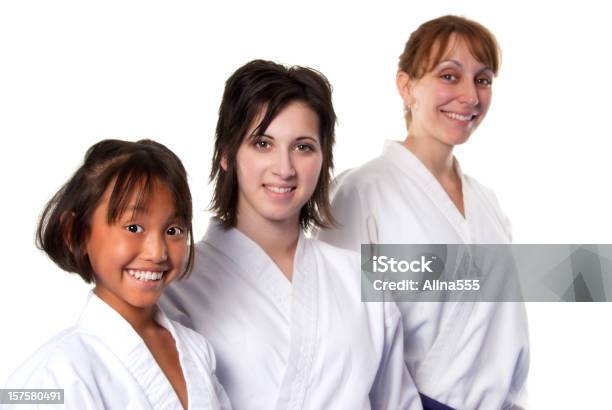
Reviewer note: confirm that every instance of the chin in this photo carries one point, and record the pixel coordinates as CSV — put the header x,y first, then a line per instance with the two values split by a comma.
x,y
456,139
280,216
459,141
142,301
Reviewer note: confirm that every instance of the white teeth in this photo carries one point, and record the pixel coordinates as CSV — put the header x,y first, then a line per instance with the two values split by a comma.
x,y
278,189
456,116
145,275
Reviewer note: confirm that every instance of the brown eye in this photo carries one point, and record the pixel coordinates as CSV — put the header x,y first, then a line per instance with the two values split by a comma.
x,y
134,228
304,148
175,231
485,82
262,144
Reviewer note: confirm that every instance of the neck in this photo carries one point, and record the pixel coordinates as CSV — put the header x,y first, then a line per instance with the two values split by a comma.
x,y
277,239
435,155
141,319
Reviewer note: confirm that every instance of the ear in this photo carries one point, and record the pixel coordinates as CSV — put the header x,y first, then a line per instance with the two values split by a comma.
x,y
223,162
404,85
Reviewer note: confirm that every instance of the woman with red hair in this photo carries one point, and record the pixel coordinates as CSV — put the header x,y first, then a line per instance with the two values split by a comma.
x,y
461,355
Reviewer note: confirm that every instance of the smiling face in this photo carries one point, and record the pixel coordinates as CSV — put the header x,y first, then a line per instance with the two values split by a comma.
x,y
449,102
137,256
278,170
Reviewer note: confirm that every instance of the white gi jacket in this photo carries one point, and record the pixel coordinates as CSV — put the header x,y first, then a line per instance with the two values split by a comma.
x,y
306,344
102,363
465,355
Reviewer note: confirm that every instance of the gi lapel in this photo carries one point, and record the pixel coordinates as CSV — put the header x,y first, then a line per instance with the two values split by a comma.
x,y
304,314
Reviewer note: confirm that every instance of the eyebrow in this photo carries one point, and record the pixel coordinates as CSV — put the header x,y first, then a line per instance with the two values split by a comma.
x,y
133,210
457,63
316,141
303,137
144,210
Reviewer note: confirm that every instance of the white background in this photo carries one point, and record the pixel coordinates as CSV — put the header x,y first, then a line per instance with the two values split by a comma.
x,y
72,73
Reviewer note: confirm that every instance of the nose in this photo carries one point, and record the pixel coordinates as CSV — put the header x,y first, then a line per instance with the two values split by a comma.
x,y
283,164
469,94
155,248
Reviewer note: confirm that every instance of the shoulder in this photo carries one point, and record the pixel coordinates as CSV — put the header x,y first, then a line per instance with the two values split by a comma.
x,y
344,266
371,172
336,265
483,193
204,248
487,198
194,339
210,259
480,188
66,357
212,251
361,188
334,254
197,344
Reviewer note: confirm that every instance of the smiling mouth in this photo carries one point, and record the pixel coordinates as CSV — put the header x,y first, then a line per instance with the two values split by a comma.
x,y
145,275
279,189
459,117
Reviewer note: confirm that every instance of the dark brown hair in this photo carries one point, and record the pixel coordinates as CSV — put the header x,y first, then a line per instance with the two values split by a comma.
x,y
265,88
133,167
418,58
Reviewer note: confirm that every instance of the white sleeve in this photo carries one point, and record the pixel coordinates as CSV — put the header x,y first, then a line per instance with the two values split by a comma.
x,y
77,395
219,391
394,387
519,394
224,401
502,218
355,222
521,401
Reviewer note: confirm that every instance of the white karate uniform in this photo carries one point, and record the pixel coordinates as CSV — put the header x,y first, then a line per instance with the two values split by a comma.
x,y
102,363
306,344
465,355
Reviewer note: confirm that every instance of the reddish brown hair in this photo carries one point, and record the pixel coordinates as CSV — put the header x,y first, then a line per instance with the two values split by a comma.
x,y
428,43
